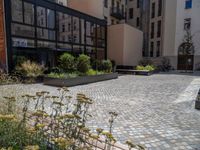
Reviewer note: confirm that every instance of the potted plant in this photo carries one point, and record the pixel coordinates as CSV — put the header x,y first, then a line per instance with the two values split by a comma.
x,y
197,102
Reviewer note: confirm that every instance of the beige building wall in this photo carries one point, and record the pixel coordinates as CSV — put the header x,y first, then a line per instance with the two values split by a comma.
x,y
90,7
174,32
136,13
125,49
97,9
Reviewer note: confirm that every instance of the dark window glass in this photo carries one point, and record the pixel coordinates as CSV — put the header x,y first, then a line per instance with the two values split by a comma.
x,y
50,19
16,7
153,10
130,13
138,22
158,49
41,17
106,3
45,34
188,4
28,13
152,49
159,7
90,33
76,30
64,29
45,44
22,30
152,30
138,3
100,53
159,29
19,42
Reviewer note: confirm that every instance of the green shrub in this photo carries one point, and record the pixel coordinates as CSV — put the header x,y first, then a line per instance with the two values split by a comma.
x,y
83,63
107,66
30,69
148,67
63,75
145,62
67,62
91,72
104,65
140,67
20,60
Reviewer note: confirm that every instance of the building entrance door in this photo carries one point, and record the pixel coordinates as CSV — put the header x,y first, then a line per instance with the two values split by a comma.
x,y
186,56
185,62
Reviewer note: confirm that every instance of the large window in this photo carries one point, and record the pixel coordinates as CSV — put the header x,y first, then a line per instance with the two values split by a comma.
x,y
43,27
159,7
151,49
188,4
28,13
153,7
159,28
130,13
17,12
152,30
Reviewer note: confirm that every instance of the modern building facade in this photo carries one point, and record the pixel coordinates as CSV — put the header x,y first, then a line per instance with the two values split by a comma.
x,y
41,30
124,30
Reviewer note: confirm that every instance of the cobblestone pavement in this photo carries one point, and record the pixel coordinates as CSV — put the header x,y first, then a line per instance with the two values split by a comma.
x,y
156,111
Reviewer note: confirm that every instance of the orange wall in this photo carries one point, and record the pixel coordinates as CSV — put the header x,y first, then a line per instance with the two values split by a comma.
x,y
2,36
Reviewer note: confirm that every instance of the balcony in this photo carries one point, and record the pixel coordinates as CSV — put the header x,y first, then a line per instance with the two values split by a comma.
x,y
117,13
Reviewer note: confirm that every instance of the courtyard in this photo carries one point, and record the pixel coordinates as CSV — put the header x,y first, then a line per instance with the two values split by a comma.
x,y
156,111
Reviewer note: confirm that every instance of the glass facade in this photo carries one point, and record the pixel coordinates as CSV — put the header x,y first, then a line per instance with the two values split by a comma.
x,y
42,30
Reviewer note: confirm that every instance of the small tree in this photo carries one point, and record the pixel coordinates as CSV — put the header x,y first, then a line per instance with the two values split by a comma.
x,y
187,47
83,63
67,62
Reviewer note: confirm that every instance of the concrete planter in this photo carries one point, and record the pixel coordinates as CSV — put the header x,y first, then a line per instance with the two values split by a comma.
x,y
38,79
136,72
79,80
197,104
145,73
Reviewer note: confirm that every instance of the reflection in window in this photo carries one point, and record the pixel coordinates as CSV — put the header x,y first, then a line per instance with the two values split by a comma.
x,y
41,17
28,13
45,44
76,31
64,27
19,42
66,47
22,30
90,29
50,19
16,7
45,34
100,53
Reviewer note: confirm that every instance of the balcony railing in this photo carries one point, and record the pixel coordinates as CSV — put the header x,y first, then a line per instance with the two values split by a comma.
x,y
117,13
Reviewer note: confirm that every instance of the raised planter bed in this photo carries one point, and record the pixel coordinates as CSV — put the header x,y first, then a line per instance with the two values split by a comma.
x,y
136,72
197,102
38,79
79,80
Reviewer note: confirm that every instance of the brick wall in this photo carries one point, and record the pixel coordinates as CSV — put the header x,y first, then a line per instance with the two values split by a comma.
x,y
2,37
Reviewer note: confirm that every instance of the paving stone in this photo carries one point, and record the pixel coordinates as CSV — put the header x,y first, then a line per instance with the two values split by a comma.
x,y
157,111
